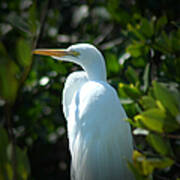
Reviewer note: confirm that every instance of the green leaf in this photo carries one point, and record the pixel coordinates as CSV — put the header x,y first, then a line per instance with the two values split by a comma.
x,y
8,72
134,50
33,18
160,144
147,28
132,75
141,164
146,77
146,166
160,163
152,119
23,166
139,62
166,97
24,53
130,91
161,22
148,102
5,168
157,120
9,170
113,65
137,49
18,22
3,138
166,41
136,173
3,145
136,32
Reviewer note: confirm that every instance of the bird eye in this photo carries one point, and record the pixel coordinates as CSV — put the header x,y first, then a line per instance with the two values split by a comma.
x,y
74,53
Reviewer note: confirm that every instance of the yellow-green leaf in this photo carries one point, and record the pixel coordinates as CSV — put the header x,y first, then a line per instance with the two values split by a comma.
x,y
24,53
130,90
160,144
161,22
147,27
152,119
145,166
132,75
166,97
148,102
8,73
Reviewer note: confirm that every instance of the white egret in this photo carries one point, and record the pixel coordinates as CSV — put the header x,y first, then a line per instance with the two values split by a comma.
x,y
100,141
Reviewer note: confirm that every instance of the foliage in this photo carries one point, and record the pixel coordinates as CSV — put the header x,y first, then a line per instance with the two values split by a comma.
x,y
6,159
141,44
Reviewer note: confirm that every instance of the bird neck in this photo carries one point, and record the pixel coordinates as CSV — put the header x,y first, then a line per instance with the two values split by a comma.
x,y
96,71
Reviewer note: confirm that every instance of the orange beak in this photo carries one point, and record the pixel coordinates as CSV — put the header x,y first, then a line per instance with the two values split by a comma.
x,y
55,52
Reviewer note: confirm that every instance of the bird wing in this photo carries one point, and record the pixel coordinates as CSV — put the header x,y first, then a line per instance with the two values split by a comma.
x,y
100,139
74,81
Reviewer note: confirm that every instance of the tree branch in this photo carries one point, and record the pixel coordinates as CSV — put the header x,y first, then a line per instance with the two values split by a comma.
x,y
8,115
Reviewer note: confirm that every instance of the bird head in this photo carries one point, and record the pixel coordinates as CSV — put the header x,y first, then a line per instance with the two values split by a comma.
x,y
77,53
83,54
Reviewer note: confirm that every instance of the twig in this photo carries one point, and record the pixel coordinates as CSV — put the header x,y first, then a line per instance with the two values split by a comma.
x,y
35,45
173,136
101,37
12,139
42,23
22,81
111,43
161,178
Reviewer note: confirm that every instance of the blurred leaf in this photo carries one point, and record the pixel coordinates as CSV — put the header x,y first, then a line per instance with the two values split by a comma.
x,y
24,53
130,90
157,120
137,49
18,22
5,167
3,145
141,164
146,166
134,50
9,170
112,63
136,32
132,75
146,77
3,137
33,18
137,175
5,29
118,13
160,144
167,98
161,22
146,27
23,166
160,163
175,42
8,72
139,62
160,106
166,43
153,119
131,122
148,102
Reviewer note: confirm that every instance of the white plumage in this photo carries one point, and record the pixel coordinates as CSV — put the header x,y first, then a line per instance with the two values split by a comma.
x,y
100,141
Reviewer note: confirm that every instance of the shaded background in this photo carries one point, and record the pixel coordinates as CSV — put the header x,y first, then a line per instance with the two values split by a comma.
x,y
141,43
